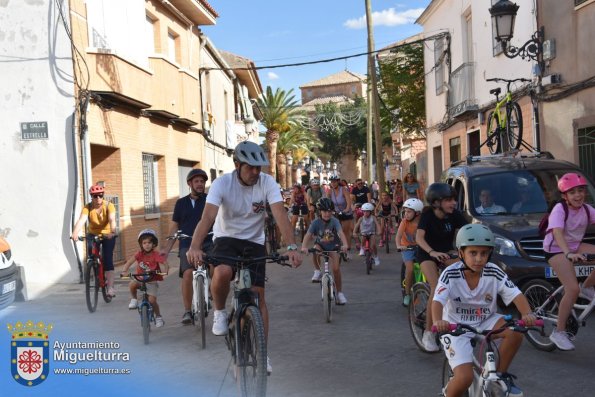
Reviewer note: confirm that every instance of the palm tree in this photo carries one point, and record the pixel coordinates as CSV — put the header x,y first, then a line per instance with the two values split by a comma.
x,y
297,142
278,110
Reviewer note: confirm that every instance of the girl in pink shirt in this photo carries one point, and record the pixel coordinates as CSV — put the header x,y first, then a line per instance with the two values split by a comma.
x,y
563,247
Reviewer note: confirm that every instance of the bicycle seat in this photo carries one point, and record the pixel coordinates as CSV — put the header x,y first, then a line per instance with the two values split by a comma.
x,y
496,91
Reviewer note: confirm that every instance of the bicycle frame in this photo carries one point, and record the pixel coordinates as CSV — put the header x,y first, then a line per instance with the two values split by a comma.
x,y
586,310
502,116
97,258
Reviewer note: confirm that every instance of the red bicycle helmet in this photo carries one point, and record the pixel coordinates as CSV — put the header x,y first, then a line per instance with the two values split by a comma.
x,y
570,181
96,189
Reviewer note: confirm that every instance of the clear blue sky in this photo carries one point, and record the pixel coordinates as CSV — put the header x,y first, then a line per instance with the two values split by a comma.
x,y
284,31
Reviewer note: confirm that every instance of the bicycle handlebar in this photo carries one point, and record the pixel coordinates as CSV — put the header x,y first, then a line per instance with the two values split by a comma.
x,y
179,236
498,79
515,325
240,261
323,252
97,237
588,257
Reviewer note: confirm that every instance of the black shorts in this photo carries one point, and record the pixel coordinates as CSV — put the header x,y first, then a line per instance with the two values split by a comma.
x,y
229,246
207,246
299,210
550,255
344,217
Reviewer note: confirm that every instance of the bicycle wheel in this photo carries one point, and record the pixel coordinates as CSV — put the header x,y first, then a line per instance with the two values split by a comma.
x,y
107,298
369,261
420,293
387,236
252,354
199,308
403,269
91,285
302,228
270,238
326,285
144,321
514,125
537,291
493,134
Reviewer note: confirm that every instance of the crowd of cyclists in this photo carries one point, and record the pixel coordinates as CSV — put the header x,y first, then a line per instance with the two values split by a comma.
x,y
454,256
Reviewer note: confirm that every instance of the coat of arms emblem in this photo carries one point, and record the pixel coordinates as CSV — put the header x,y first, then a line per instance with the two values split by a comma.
x,y
29,352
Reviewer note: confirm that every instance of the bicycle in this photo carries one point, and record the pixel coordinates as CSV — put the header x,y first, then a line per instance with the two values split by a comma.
x,y
487,382
245,338
201,299
420,294
145,309
270,234
301,225
418,276
95,274
386,231
505,129
544,300
368,259
327,284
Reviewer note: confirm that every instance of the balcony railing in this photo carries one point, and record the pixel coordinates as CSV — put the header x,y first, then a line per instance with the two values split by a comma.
x,y
461,93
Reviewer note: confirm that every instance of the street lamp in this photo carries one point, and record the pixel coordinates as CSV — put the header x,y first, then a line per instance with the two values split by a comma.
x,y
503,17
363,155
319,168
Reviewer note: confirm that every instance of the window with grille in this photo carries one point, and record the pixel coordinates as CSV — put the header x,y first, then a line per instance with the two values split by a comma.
x,y
150,184
586,150
455,149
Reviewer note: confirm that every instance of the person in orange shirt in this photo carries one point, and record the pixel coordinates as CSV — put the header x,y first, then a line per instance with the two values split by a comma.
x,y
406,238
102,221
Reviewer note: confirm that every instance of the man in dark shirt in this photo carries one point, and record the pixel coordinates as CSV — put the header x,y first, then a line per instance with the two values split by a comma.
x,y
360,195
187,214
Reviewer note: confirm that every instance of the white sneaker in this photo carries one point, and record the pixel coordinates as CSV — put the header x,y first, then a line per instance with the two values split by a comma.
x,y
561,340
159,322
429,342
220,323
133,304
341,299
361,252
269,366
587,293
316,276
376,261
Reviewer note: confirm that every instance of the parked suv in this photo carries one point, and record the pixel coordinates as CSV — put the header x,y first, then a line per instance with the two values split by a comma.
x,y
521,189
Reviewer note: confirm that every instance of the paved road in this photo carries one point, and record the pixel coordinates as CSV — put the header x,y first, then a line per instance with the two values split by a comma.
x,y
365,351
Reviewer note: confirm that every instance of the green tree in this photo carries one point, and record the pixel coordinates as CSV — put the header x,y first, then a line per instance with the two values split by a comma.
x,y
297,142
402,91
278,109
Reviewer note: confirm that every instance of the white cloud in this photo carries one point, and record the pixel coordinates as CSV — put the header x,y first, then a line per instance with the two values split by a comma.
x,y
272,76
388,17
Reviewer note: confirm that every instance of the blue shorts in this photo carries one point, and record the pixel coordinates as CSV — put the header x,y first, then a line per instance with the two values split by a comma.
x,y
408,255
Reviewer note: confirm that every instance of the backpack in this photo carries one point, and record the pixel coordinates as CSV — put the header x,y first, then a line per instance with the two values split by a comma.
x,y
544,223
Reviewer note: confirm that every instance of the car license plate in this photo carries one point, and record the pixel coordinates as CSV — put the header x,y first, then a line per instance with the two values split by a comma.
x,y
8,287
581,271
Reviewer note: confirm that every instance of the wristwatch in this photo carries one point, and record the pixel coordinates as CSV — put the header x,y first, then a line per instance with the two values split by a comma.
x,y
292,247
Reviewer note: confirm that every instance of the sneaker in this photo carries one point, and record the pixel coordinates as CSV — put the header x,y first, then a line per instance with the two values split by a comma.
x,y
376,261
406,300
187,318
513,390
111,292
587,292
561,340
429,342
133,304
269,366
220,323
381,243
361,252
159,321
316,276
341,299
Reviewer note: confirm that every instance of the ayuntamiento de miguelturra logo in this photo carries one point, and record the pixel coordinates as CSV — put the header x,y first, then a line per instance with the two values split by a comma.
x,y
29,352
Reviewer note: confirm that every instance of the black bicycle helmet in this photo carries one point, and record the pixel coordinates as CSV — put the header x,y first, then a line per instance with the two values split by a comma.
x,y
439,191
196,172
250,153
325,204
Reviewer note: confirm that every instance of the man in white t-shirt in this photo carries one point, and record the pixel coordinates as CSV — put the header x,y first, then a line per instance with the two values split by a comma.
x,y
236,205
487,204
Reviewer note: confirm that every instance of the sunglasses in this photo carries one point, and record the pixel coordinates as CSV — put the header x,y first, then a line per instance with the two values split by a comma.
x,y
97,195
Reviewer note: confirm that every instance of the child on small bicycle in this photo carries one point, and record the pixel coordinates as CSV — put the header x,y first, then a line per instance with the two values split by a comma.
x,y
328,234
368,225
564,247
435,234
406,238
385,208
147,259
466,294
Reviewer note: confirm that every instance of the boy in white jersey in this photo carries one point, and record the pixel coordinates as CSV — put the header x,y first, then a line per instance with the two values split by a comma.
x,y
368,225
466,294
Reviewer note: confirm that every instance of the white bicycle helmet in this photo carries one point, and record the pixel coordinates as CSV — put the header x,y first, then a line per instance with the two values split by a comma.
x,y
367,207
148,233
250,153
414,204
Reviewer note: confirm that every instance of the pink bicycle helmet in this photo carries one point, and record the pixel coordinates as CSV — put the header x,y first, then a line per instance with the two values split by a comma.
x,y
96,189
570,181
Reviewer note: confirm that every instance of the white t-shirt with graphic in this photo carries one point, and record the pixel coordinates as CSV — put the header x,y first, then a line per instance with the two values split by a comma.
x,y
472,307
242,208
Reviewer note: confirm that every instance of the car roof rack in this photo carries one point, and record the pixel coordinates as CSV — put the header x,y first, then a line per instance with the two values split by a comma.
x,y
516,153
